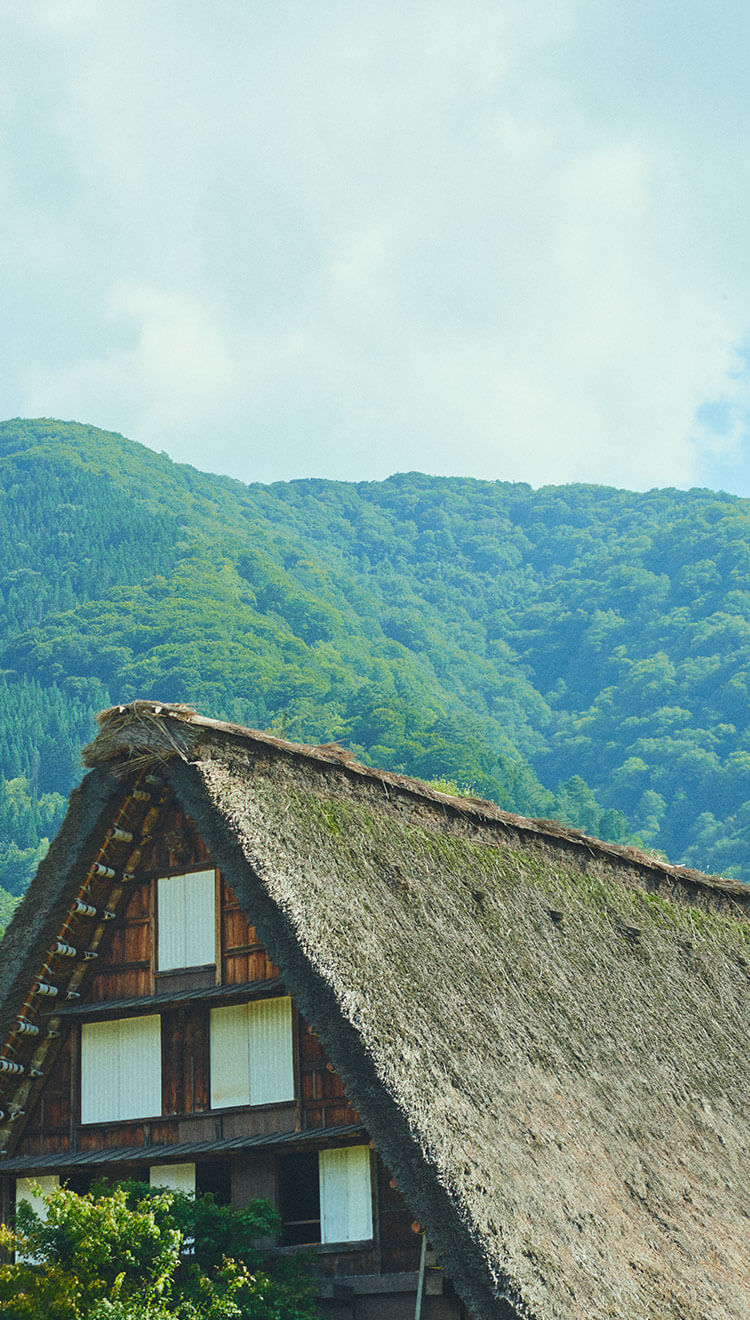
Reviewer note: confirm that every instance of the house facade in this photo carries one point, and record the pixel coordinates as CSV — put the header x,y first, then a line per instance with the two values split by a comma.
x,y
178,1057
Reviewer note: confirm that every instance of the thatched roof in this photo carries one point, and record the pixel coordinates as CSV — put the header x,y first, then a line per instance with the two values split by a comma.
x,y
546,1036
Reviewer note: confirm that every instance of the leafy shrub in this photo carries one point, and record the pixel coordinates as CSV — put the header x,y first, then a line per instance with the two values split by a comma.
x,y
131,1252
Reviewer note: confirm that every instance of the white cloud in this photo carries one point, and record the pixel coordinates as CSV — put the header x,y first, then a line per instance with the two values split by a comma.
x,y
365,238
179,367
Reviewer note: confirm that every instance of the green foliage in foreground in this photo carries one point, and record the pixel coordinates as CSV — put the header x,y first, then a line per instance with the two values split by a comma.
x,y
572,652
119,1253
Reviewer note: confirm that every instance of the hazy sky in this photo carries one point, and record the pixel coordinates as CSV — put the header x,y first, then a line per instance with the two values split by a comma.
x,y
278,238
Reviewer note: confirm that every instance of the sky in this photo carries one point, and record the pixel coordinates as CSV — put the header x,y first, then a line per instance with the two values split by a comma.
x,y
278,239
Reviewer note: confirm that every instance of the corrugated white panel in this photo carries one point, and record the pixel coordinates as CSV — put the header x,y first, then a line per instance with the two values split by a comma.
x,y
100,1071
345,1194
200,918
176,1177
140,1066
186,920
170,914
121,1069
26,1190
271,1051
252,1058
230,1061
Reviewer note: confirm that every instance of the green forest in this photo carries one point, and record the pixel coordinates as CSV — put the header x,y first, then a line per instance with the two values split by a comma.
x,y
575,652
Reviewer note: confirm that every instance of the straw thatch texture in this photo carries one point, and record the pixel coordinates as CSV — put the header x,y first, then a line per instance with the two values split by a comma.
x,y
567,1047
546,1037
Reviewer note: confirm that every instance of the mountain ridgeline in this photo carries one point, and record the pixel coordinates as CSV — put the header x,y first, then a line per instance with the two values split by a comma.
x,y
575,652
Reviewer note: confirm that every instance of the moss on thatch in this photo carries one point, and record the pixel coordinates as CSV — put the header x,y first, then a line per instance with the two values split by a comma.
x,y
546,1036
569,1048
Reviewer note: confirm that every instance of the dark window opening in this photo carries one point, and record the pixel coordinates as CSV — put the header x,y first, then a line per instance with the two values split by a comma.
x,y
80,1183
215,1177
83,1181
299,1199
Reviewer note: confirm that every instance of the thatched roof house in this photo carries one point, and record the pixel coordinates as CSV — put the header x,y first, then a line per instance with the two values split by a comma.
x,y
545,1036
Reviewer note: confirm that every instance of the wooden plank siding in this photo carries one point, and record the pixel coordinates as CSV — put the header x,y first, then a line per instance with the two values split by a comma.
x,y
49,1127
125,963
185,1060
400,1245
243,957
323,1101
175,847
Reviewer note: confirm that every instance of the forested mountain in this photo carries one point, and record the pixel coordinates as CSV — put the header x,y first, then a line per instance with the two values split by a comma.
x,y
575,651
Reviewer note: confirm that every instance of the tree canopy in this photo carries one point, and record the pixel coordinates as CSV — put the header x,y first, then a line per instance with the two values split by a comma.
x,y
575,652
131,1252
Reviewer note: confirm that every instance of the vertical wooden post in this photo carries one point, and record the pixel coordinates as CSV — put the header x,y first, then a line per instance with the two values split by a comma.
x,y
375,1186
296,1054
219,928
75,1084
153,932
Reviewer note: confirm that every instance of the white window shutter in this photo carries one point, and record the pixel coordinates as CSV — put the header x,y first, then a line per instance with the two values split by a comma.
x,y
121,1069
100,1071
171,922
175,1177
252,1054
140,1066
271,1051
345,1194
230,1063
200,918
186,920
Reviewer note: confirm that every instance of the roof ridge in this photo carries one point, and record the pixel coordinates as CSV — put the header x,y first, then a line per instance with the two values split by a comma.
x,y
141,732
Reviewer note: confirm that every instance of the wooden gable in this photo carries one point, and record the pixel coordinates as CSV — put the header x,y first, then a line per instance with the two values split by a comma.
x,y
125,974
113,1002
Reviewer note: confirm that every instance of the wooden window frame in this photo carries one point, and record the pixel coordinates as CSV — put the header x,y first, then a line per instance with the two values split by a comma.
x,y
156,971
